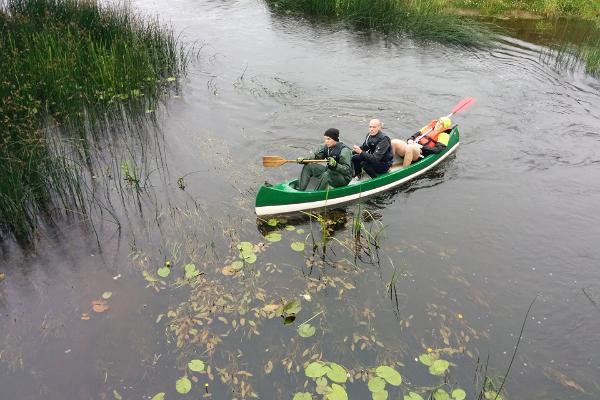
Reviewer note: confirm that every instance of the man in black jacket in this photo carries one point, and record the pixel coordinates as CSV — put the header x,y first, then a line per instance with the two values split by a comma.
x,y
374,156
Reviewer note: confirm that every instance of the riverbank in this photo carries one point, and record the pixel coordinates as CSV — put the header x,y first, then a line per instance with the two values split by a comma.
x,y
67,65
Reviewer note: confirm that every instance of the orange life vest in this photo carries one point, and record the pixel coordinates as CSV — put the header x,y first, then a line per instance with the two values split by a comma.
x,y
430,139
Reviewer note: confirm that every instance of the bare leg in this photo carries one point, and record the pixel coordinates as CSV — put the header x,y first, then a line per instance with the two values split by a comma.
x,y
398,147
412,152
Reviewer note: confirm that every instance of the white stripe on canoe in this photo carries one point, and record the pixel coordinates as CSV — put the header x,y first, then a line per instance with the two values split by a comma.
x,y
287,208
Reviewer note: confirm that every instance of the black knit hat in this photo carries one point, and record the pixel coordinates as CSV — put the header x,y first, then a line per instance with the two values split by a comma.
x,y
333,133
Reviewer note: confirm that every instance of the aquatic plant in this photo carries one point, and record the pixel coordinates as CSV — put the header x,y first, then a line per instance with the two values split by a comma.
x,y
550,8
68,68
421,19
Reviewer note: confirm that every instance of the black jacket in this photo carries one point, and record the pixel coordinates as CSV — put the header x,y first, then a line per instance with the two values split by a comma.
x,y
378,148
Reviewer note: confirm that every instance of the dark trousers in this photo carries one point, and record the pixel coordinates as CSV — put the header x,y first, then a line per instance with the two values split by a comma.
x,y
372,168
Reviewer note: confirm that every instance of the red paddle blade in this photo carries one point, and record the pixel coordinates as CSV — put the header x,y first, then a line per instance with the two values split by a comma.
x,y
464,103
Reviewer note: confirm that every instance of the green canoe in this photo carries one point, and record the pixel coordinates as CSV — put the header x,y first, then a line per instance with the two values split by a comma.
x,y
283,198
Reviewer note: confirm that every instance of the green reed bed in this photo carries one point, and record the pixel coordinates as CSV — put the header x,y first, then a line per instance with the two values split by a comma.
x,y
588,9
419,18
74,65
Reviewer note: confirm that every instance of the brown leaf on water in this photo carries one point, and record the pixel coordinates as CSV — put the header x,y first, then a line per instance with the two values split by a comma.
x,y
228,270
563,379
271,307
269,367
85,316
99,306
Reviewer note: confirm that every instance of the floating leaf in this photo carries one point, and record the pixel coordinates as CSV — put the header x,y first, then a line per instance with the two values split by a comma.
x,y
316,369
300,231
159,396
171,79
306,330
292,307
427,359
290,227
245,247
228,270
383,395
439,367
492,394
190,271
183,385
297,246
302,396
99,306
458,394
390,375
269,367
196,365
85,316
273,237
237,265
271,307
337,373
441,394
337,393
163,272
376,384
117,395
412,396
272,222
250,258
106,295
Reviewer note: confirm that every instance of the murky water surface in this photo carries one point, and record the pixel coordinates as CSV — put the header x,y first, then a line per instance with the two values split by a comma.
x,y
463,252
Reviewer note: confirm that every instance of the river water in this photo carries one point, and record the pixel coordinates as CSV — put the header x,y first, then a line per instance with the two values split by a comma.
x,y
510,220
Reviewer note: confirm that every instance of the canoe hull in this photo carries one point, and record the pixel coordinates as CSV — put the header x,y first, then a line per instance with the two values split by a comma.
x,y
282,198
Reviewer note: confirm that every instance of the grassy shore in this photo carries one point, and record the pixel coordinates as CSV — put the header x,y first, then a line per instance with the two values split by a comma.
x,y
69,64
419,18
586,9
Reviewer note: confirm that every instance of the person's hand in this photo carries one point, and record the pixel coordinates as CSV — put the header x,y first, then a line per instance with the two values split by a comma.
x,y
331,163
409,141
300,160
357,149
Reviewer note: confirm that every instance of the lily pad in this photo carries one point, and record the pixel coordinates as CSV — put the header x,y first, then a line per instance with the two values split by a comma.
x,y
106,295
427,359
163,272
183,385
159,396
290,227
439,367
413,396
196,365
383,395
302,396
390,375
336,373
300,231
237,265
245,247
376,384
459,394
250,258
441,394
306,330
273,237
337,393
316,369
297,246
291,308
272,222
190,271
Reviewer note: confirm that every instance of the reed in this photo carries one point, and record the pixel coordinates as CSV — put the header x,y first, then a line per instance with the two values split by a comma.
x,y
587,9
420,18
77,66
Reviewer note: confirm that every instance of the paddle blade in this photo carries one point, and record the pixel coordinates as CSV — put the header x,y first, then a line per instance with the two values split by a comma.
x,y
273,161
463,104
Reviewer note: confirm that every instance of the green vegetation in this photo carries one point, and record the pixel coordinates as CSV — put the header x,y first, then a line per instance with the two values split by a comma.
x,y
587,9
419,18
66,65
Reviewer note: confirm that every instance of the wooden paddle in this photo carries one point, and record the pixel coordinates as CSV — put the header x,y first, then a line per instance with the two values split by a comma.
x,y
460,106
277,161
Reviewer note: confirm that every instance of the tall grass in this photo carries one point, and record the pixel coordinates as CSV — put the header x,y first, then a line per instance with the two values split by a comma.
x,y
78,66
419,18
588,9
